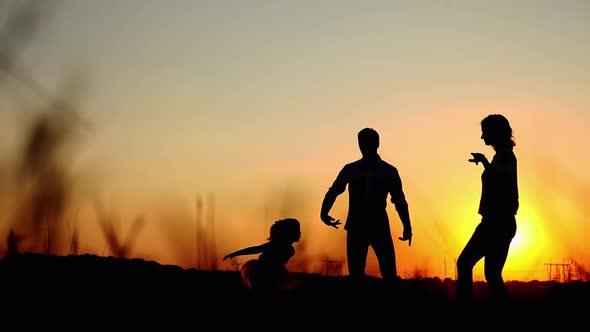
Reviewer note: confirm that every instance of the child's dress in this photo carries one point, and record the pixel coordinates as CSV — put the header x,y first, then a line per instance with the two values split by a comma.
x,y
268,273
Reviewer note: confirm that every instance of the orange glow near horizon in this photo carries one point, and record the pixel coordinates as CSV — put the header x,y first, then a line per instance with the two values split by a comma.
x,y
443,206
528,246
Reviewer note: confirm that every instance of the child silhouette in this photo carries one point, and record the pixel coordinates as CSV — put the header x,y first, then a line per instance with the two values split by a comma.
x,y
268,273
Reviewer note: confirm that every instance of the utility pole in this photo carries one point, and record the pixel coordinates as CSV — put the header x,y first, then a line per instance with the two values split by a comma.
x,y
199,231
210,241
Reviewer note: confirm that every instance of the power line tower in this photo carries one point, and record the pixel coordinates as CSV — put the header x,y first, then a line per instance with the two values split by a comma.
x,y
560,272
331,267
577,271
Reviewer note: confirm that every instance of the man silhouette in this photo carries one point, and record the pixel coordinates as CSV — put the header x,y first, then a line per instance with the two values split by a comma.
x,y
369,180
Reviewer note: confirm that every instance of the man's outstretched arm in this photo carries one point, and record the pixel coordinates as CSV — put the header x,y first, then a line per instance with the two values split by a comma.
x,y
404,215
398,198
333,192
327,204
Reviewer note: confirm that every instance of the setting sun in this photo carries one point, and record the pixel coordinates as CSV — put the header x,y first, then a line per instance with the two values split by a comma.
x,y
528,250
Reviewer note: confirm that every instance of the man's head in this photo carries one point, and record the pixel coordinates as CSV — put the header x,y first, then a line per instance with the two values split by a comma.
x,y
368,139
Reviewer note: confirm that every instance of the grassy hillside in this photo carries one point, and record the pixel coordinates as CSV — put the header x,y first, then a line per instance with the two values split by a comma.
x,y
69,283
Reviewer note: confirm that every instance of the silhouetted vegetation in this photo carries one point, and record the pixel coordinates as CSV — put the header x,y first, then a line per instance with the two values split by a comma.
x,y
87,279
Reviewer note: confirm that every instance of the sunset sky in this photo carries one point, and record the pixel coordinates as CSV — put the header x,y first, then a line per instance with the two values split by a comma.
x,y
255,106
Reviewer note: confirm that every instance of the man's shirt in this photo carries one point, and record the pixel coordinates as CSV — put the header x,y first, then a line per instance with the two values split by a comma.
x,y
369,183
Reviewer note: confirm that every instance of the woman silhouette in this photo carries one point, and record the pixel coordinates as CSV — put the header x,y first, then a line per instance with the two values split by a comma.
x,y
498,206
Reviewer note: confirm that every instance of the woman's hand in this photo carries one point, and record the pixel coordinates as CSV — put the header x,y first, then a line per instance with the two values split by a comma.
x,y
478,158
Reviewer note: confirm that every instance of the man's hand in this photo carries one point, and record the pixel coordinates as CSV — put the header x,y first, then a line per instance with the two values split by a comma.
x,y
407,235
330,221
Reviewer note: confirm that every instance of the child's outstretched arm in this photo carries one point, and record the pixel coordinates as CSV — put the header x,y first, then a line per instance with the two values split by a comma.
x,y
246,251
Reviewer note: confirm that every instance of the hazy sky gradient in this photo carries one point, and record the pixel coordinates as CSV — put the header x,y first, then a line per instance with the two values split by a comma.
x,y
259,103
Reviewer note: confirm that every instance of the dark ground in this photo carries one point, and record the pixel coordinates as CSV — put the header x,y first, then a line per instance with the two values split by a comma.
x,y
113,287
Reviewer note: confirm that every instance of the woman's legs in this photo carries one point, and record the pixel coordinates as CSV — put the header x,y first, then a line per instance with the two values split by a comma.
x,y
496,258
473,251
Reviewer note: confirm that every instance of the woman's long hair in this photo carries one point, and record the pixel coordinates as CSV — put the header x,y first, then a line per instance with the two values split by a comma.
x,y
499,129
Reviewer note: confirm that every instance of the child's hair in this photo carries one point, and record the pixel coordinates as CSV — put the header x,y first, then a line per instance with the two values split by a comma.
x,y
284,229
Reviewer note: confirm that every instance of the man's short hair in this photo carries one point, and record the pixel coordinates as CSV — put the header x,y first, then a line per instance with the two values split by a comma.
x,y
368,137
